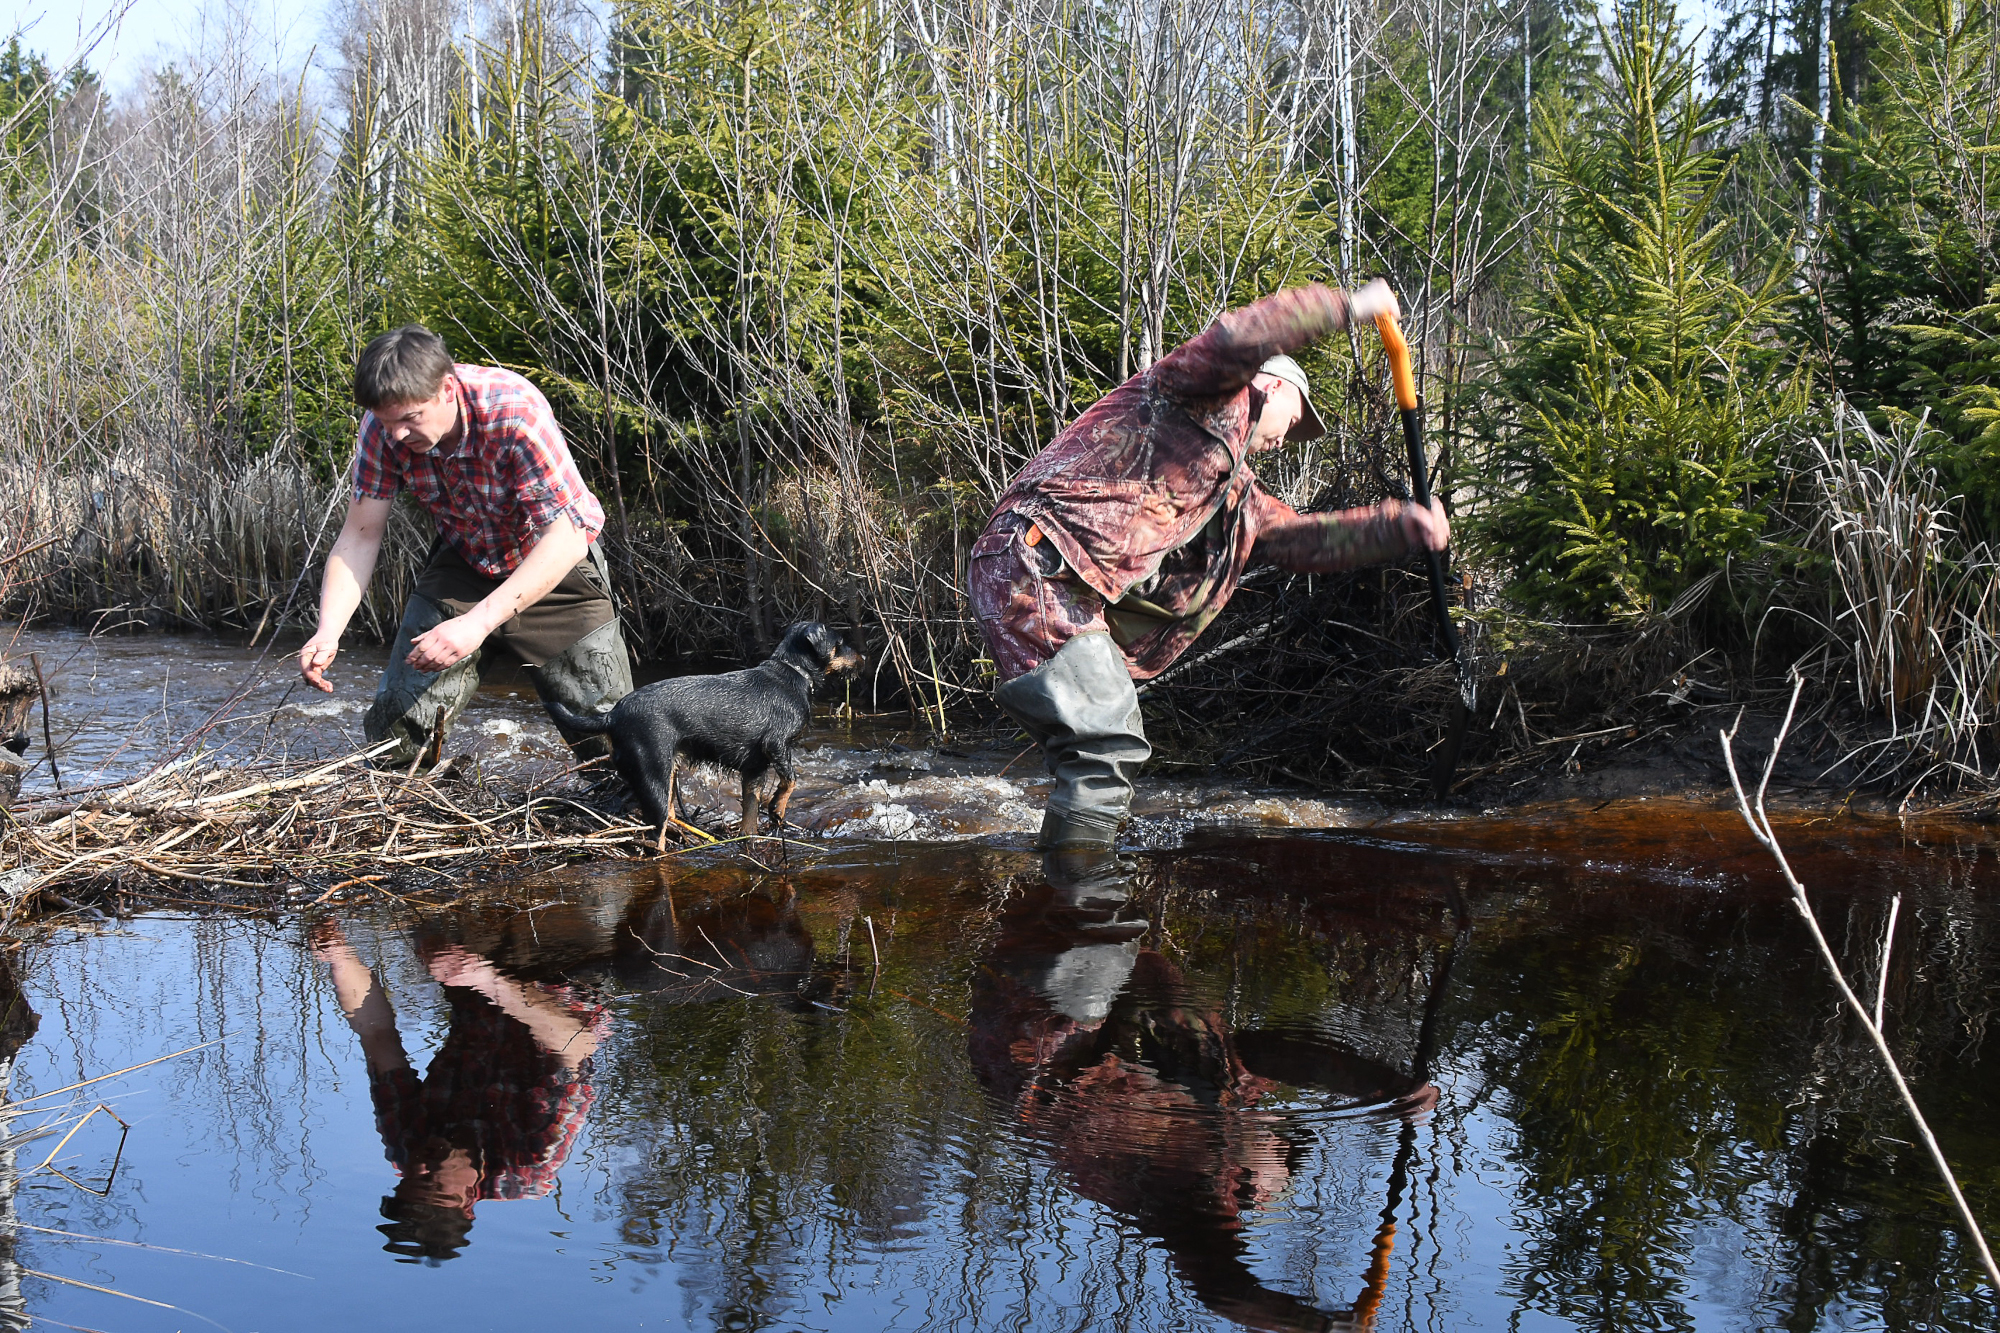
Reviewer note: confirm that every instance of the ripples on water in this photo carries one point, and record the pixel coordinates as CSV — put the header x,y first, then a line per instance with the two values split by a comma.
x,y
1571,1071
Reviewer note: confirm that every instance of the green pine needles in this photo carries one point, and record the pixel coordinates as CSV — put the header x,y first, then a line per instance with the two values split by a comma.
x,y
1641,416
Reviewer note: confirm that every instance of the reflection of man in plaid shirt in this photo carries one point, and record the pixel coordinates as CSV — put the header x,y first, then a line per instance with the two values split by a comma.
x,y
498,1110
516,564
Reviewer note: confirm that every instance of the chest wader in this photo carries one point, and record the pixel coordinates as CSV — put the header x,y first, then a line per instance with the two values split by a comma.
x,y
569,641
1083,709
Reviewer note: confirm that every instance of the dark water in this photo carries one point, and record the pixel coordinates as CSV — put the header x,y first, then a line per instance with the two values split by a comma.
x,y
691,1098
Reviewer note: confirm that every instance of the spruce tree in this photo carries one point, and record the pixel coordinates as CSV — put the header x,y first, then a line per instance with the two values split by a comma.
x,y
1636,430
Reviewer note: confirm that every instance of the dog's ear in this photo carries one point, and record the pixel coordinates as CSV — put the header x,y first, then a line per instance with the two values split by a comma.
x,y
819,641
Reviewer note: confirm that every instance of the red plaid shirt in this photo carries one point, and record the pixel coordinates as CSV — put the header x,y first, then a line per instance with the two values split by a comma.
x,y
494,491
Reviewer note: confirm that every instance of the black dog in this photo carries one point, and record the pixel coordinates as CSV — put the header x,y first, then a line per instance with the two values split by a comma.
x,y
745,720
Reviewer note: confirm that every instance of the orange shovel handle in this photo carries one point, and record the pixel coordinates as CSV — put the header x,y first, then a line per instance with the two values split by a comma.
x,y
1399,360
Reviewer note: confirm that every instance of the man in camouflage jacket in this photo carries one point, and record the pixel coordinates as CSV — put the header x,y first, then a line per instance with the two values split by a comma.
x,y
1118,543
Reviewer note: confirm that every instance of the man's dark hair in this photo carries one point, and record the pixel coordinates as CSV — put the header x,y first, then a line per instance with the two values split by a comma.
x,y
404,365
425,1233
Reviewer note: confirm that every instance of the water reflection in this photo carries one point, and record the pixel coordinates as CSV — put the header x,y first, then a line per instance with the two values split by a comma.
x,y
18,1022
494,1115
629,934
1146,1099
961,1089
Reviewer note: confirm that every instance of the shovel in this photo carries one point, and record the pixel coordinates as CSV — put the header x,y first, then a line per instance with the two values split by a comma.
x,y
1444,761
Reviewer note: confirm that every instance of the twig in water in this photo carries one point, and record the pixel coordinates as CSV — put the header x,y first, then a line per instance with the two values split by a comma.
x,y
869,921
348,884
1882,970
48,740
124,1131
126,1295
1016,759
116,1073
1760,828
141,1245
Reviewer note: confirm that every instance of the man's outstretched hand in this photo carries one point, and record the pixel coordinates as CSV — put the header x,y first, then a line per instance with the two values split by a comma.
x,y
316,657
445,644
1376,298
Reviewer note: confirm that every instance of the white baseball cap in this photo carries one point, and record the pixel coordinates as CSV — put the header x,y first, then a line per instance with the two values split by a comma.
x,y
1308,426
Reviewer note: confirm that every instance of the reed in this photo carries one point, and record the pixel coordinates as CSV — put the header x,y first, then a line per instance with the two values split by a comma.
x,y
146,537
1913,609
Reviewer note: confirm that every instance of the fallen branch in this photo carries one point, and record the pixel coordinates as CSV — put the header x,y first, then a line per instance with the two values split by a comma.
x,y
1760,828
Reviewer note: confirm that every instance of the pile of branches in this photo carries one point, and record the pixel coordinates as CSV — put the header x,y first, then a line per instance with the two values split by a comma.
x,y
1336,681
269,835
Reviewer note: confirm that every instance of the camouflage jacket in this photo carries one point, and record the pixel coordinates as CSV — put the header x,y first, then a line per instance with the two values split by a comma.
x,y
1150,499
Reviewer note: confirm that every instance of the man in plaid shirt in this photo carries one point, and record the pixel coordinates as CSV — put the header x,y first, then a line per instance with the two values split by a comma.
x,y
516,563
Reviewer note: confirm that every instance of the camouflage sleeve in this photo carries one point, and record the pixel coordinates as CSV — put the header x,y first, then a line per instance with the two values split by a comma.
x,y
1325,543
1225,357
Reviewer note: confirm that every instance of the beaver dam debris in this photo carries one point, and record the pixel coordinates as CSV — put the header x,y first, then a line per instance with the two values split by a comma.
x,y
233,832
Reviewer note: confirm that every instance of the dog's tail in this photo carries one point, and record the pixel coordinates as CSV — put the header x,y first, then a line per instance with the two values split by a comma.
x,y
583,724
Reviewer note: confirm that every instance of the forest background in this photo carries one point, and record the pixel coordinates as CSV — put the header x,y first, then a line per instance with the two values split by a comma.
x,y
1708,326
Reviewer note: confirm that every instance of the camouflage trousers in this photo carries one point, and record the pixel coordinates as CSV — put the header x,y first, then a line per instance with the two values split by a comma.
x,y
1063,679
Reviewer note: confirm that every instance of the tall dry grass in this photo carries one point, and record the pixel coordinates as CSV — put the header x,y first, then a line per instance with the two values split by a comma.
x,y
1914,610
146,537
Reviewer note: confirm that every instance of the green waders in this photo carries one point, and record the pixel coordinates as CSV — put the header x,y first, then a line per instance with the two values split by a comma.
x,y
570,641
1083,709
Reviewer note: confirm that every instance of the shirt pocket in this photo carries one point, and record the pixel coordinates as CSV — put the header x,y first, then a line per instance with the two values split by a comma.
x,y
427,486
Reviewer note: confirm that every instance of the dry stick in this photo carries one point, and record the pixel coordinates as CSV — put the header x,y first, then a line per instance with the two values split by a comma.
x,y
1760,828
1882,971
869,921
141,1245
15,1107
162,871
48,740
125,1295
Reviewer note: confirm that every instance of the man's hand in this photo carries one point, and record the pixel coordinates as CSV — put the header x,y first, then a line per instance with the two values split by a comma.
x,y
453,965
446,644
347,569
316,657
1426,529
1377,298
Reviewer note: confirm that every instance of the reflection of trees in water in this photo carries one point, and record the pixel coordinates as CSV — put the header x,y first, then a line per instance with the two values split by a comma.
x,y
1678,1069
751,1119
244,980
1659,1055
17,1024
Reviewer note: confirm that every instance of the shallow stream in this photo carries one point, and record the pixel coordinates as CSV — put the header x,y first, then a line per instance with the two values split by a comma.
x,y
1295,1066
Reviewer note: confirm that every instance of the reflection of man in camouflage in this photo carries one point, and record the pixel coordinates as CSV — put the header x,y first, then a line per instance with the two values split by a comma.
x,y
516,565
1144,1098
1123,539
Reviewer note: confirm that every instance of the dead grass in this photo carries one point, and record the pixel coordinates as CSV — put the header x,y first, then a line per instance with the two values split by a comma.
x,y
269,835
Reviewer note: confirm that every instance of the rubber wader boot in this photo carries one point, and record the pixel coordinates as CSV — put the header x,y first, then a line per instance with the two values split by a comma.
x,y
587,677
406,702
1083,709
1091,887
591,674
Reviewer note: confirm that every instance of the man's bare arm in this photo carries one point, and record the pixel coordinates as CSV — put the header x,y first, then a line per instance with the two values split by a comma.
x,y
555,553
362,1001
348,569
